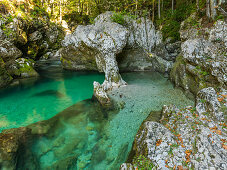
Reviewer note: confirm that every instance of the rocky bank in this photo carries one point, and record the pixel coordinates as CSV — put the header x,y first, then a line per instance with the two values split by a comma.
x,y
191,137
26,36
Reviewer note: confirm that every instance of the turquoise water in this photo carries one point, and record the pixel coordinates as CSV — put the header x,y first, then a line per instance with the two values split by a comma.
x,y
84,135
41,99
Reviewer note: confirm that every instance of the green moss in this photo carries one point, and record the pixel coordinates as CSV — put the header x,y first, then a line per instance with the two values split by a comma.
x,y
5,78
66,63
118,18
25,68
143,163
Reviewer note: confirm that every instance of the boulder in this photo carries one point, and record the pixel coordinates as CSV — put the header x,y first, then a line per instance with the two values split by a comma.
x,y
35,36
24,68
186,139
8,51
100,94
8,55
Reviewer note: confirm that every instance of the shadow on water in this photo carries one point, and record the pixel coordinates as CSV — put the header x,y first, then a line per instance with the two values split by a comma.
x,y
59,142
54,93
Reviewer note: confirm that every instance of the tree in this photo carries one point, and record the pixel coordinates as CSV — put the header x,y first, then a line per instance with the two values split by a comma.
x,y
153,10
172,6
197,5
211,10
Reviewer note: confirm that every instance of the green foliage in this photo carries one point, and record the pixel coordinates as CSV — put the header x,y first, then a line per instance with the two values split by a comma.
x,y
118,18
203,101
143,163
170,21
76,18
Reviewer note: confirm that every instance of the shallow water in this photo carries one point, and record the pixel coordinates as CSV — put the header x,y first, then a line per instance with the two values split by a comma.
x,y
85,135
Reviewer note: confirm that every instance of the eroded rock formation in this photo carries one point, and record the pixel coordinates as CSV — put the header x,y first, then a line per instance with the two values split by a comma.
x,y
136,44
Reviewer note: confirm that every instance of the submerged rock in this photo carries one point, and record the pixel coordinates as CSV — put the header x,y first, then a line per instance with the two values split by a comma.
x,y
12,142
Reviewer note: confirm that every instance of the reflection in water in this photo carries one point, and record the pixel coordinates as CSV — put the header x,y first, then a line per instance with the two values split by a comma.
x,y
48,95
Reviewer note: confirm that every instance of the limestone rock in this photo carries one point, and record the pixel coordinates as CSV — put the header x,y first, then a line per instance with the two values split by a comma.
x,y
95,47
207,101
187,137
143,34
105,38
134,60
8,51
100,94
202,63
161,65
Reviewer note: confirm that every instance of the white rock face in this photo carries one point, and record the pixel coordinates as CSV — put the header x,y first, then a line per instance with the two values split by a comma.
x,y
100,94
143,34
103,40
106,37
207,101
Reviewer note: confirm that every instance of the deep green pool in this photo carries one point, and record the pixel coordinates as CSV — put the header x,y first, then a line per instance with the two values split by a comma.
x,y
40,99
83,135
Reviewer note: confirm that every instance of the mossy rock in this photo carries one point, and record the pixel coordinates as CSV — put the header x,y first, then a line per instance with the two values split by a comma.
x,y
81,58
5,78
25,68
192,78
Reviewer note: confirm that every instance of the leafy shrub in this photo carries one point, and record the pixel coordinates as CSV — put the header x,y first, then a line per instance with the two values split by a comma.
x,y
143,163
118,18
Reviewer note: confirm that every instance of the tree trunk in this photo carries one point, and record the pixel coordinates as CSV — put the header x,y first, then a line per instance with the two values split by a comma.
x,y
162,5
60,10
153,10
197,5
172,6
159,10
211,10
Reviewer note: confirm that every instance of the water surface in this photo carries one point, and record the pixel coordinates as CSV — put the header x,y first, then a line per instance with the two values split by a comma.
x,y
42,98
84,135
